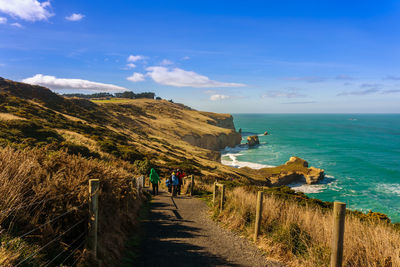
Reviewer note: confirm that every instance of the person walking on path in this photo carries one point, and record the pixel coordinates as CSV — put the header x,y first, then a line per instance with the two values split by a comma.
x,y
154,179
180,174
175,183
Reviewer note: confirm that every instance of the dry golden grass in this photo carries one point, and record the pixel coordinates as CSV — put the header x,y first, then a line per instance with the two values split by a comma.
x,y
301,235
9,117
58,182
79,139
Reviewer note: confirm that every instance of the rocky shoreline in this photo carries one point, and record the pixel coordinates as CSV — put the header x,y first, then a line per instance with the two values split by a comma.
x,y
294,170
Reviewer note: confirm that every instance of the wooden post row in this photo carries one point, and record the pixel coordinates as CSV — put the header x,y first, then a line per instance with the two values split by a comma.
x,y
94,187
192,186
339,212
222,196
214,192
258,214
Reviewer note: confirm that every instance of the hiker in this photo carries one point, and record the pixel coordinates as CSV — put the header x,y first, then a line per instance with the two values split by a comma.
x,y
180,174
175,183
168,183
154,179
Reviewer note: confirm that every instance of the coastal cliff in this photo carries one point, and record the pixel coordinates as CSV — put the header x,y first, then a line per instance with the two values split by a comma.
x,y
214,142
168,134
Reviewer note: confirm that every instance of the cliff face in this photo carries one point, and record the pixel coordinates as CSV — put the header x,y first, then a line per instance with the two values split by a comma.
x,y
169,134
214,142
220,120
219,140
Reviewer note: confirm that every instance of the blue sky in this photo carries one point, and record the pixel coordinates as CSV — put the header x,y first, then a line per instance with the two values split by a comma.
x,y
223,56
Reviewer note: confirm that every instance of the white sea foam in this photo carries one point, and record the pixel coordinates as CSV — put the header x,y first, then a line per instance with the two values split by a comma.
x,y
315,188
389,188
306,188
239,164
229,157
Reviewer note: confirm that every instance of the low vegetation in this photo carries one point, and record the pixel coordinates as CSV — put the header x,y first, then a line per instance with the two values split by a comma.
x,y
48,191
50,146
297,230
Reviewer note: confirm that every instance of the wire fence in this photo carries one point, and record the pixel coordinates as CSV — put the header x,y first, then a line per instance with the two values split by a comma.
x,y
63,251
49,243
81,239
40,202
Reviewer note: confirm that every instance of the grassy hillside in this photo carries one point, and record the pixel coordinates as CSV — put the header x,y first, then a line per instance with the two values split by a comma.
x,y
50,146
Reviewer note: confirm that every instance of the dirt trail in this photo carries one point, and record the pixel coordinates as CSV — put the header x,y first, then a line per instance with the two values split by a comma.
x,y
179,232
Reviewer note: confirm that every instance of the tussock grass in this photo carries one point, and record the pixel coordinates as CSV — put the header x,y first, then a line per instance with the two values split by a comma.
x,y
38,185
301,235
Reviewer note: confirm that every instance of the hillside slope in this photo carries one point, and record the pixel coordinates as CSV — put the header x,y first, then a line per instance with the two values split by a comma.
x,y
167,134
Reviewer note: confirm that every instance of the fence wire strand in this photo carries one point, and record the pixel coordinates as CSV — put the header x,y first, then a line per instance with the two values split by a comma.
x,y
59,254
72,253
56,218
41,201
50,242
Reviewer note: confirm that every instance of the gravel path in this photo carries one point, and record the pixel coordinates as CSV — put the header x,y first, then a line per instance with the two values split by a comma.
x,y
179,232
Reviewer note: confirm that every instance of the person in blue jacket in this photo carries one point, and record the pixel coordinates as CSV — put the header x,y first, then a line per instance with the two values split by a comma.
x,y
168,183
175,183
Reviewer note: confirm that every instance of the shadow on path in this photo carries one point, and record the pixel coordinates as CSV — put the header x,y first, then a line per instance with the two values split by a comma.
x,y
167,236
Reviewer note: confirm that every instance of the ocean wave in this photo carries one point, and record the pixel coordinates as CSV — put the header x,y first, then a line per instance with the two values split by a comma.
x,y
308,189
229,157
239,164
315,188
389,188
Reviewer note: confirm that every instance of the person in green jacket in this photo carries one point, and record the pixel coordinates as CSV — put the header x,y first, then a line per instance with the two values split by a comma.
x,y
154,179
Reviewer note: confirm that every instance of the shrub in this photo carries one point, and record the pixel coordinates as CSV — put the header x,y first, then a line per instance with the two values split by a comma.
x,y
143,166
81,150
58,182
130,154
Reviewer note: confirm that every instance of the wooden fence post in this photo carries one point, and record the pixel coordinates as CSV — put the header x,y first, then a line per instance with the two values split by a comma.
x,y
142,182
258,214
214,192
192,186
222,196
339,212
94,187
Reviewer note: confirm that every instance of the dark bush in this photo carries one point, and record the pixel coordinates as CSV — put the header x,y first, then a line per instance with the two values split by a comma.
x,y
143,166
129,153
75,149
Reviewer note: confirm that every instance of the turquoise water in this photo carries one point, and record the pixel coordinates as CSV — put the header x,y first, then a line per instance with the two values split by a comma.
x,y
360,154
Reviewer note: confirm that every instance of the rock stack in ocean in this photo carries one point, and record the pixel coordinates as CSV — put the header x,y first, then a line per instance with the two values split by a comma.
x,y
253,140
300,172
294,170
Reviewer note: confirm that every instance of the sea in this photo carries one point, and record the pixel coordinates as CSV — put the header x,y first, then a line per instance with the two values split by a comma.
x,y
360,154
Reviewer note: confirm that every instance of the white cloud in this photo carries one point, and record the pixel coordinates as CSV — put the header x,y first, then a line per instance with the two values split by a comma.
x,y
166,62
78,84
75,17
136,77
16,24
182,78
186,58
219,97
3,20
130,66
30,10
133,58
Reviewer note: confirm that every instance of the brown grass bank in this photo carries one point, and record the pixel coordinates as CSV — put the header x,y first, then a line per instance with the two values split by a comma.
x,y
300,235
44,193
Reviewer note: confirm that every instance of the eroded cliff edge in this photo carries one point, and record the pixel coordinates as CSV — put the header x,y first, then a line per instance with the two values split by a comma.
x,y
219,140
